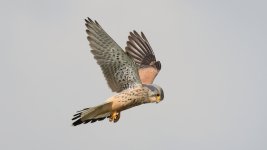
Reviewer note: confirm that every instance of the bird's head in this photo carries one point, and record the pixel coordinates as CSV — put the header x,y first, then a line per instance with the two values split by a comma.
x,y
155,93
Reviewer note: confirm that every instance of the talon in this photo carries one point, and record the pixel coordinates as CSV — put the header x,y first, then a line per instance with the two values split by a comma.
x,y
114,117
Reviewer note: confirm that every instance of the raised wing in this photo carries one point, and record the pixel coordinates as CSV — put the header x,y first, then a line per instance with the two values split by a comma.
x,y
118,68
139,49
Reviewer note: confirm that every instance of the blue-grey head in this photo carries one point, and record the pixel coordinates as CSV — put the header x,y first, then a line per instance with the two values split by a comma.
x,y
155,93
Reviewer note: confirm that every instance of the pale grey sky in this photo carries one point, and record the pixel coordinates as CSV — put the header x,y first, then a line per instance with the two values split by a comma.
x,y
214,75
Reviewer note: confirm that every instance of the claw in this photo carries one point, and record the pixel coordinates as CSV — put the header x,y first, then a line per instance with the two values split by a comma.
x,y
114,117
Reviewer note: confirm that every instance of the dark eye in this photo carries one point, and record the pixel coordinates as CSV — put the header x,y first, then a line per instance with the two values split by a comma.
x,y
157,95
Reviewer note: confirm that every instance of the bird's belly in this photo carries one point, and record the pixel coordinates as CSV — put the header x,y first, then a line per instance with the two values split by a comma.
x,y
128,99
121,105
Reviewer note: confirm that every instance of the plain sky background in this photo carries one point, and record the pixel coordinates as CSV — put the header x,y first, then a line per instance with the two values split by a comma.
x,y
214,74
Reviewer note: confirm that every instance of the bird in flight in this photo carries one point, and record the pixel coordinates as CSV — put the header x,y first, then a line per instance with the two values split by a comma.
x,y
130,73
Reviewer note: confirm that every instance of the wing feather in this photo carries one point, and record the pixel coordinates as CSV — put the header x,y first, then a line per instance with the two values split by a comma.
x,y
139,49
118,68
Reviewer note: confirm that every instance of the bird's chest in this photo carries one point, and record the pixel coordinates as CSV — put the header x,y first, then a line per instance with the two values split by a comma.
x,y
131,98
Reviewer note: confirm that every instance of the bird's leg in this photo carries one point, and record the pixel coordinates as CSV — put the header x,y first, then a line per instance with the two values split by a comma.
x,y
114,117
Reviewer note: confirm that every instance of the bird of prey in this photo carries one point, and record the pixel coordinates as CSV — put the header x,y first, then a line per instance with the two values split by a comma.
x,y
130,73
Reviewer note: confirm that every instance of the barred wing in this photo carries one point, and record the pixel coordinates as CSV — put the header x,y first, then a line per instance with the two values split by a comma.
x,y
139,49
118,68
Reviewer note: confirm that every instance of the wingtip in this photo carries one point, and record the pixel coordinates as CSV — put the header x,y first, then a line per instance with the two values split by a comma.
x,y
144,37
135,32
158,65
89,21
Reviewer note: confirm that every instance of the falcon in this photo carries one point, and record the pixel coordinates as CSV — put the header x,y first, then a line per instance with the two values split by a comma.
x,y
129,73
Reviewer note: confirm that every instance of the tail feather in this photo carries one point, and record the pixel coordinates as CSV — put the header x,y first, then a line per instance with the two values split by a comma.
x,y
77,122
76,117
92,114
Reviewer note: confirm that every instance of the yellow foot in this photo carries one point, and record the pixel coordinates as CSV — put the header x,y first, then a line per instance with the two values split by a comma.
x,y
114,117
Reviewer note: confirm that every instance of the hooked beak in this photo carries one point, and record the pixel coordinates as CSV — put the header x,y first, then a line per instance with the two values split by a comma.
x,y
157,99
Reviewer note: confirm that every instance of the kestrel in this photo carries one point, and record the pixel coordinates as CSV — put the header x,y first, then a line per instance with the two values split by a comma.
x,y
130,73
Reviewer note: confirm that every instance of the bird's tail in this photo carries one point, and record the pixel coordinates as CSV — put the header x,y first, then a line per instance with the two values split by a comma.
x,y
92,114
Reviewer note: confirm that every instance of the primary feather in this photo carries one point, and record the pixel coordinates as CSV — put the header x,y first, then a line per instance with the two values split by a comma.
x,y
118,68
